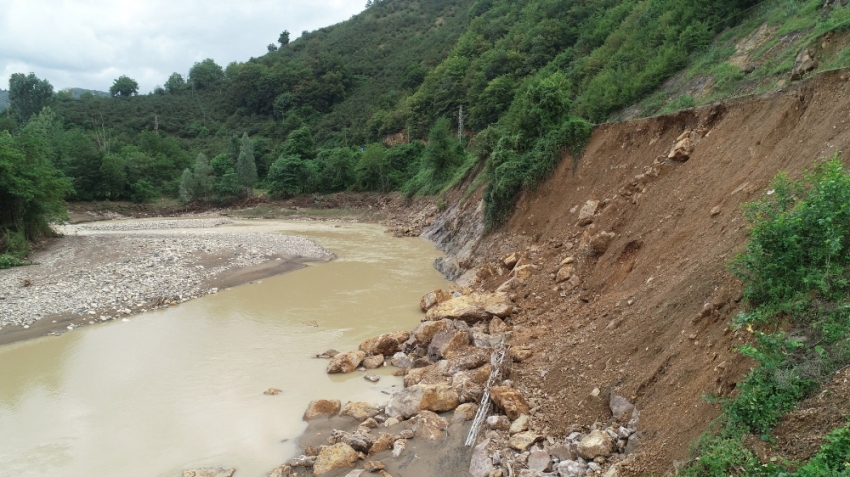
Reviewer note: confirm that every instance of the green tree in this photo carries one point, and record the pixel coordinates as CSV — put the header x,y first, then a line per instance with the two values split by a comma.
x,y
299,143
205,74
271,47
124,86
442,154
113,176
373,169
287,176
28,95
175,83
283,39
187,186
246,167
203,176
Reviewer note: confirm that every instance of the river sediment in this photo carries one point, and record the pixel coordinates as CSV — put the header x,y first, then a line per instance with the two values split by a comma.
x,y
110,270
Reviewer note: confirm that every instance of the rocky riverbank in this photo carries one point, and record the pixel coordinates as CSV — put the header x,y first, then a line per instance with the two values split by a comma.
x,y
460,413
107,270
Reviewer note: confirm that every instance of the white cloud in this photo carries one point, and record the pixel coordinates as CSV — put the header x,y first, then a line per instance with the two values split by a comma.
x,y
89,43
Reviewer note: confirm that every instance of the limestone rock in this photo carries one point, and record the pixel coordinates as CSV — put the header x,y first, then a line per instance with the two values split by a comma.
x,y
337,456
499,423
360,441
360,410
471,359
472,308
398,447
209,472
585,215
510,400
523,273
434,298
600,242
520,354
283,470
373,362
595,444
497,326
565,273
401,360
371,377
481,464
346,362
429,425
438,397
424,333
561,451
465,412
406,402
682,150
302,461
539,460
321,407
520,424
446,342
384,442
571,468
804,63
510,260
523,440
386,344
620,407
374,466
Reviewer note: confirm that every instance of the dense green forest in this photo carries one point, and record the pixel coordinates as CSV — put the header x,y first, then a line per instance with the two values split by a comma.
x,y
530,77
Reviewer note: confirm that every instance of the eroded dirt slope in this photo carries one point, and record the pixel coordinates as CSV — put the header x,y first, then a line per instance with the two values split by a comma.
x,y
650,316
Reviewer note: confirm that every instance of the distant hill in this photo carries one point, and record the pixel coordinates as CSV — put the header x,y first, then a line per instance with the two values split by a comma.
x,y
77,92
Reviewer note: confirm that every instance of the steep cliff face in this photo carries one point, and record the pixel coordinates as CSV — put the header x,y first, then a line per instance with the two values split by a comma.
x,y
650,215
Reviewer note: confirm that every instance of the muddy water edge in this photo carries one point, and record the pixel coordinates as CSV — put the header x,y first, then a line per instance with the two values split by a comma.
x,y
183,387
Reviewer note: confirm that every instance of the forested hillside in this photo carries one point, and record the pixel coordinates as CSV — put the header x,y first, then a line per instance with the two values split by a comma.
x,y
319,114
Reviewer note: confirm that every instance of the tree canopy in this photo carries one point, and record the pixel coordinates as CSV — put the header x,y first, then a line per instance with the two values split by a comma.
x,y
124,86
28,95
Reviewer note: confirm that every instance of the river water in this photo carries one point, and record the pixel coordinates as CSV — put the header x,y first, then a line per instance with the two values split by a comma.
x,y
183,387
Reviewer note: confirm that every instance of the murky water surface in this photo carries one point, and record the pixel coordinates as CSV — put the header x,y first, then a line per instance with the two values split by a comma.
x,y
183,387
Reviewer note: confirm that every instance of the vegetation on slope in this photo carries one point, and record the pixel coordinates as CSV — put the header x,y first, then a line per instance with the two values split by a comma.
x,y
796,275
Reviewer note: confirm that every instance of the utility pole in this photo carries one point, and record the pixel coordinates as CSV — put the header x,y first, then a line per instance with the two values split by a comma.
x,y
460,124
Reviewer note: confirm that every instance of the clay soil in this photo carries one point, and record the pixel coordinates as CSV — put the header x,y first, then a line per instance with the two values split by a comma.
x,y
651,318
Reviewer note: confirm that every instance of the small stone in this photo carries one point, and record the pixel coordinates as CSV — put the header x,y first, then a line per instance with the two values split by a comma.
x,y
620,407
465,412
715,211
520,424
539,460
374,466
398,447
337,456
209,472
499,423
481,464
595,444
346,362
571,468
523,440
373,362
372,377
272,392
360,410
510,400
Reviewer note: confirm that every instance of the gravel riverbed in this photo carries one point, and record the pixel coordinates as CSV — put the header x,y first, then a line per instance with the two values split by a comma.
x,y
107,270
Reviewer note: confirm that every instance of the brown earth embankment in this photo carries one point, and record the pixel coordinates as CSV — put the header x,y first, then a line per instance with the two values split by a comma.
x,y
648,315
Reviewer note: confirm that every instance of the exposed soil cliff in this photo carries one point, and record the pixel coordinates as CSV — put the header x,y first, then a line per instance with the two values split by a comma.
x,y
647,313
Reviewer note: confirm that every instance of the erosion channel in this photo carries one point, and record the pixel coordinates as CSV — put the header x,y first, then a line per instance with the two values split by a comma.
x,y
183,387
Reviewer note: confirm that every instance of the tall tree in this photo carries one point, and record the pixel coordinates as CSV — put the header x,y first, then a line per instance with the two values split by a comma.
x,y
246,167
124,86
28,95
283,39
205,74
204,177
175,83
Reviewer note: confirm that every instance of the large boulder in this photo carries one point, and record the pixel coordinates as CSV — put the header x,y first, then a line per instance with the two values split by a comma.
x,y
469,359
571,468
434,298
360,410
446,342
337,456
321,407
465,412
565,273
620,407
523,440
429,425
472,308
682,150
438,398
387,344
346,362
803,63
401,360
595,444
600,242
424,333
481,464
509,400
405,403
209,472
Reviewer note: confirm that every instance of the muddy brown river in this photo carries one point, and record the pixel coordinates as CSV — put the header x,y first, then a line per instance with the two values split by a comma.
x,y
183,387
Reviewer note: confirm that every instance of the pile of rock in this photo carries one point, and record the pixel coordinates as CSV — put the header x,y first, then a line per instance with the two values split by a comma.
x,y
510,448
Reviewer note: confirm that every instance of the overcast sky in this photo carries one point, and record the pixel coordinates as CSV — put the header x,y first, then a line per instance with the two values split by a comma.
x,y
89,43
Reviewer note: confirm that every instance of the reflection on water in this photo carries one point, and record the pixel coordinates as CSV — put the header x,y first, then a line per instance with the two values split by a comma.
x,y
183,387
